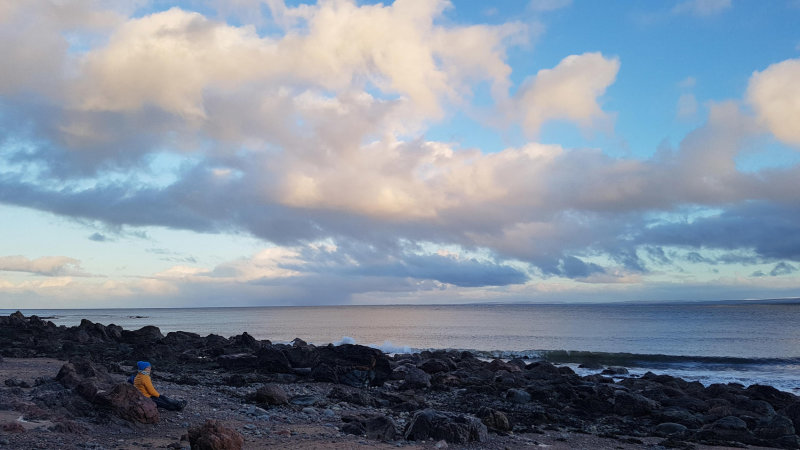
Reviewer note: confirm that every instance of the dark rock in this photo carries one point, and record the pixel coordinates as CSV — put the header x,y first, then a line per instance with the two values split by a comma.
x,y
615,371
143,336
12,427
591,365
16,382
272,360
778,399
632,404
356,427
305,400
671,429
238,361
415,379
381,428
128,403
518,396
302,355
353,365
793,413
499,364
678,415
434,365
453,428
212,435
519,362
69,427
775,428
494,419
351,395
244,342
270,394
729,428
542,370
375,426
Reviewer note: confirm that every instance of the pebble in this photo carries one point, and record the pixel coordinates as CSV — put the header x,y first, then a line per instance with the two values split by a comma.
x,y
309,410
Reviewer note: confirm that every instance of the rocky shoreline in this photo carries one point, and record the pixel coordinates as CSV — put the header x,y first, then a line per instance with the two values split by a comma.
x,y
246,393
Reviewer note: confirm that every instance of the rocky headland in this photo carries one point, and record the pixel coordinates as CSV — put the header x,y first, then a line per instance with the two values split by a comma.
x,y
248,393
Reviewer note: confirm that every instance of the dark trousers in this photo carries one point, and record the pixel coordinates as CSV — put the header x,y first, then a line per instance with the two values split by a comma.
x,y
167,403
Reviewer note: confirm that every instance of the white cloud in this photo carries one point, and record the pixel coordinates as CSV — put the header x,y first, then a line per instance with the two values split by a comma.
x,y
701,7
47,265
774,94
173,59
569,91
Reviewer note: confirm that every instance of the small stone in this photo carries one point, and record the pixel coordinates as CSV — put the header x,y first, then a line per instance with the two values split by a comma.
x,y
441,444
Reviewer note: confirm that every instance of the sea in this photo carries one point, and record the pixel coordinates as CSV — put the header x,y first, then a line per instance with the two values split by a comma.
x,y
719,342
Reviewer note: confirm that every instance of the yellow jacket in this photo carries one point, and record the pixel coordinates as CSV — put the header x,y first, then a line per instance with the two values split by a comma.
x,y
145,386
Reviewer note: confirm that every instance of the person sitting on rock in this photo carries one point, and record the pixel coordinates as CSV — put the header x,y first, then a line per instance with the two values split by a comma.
x,y
145,386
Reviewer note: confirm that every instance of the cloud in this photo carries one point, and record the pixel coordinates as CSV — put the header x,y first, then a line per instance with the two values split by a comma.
x,y
568,91
549,5
701,7
47,265
316,133
783,268
174,58
687,106
774,94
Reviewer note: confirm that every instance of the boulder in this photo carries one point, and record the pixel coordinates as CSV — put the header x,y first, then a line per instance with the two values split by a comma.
x,y
793,413
128,403
147,335
415,379
494,419
774,428
730,428
632,404
270,394
518,396
353,365
778,399
77,370
499,364
434,365
671,430
238,361
272,360
301,355
12,427
453,428
614,371
212,435
375,426
351,395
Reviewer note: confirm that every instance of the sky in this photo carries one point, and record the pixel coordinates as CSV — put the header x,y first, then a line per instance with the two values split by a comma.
x,y
271,152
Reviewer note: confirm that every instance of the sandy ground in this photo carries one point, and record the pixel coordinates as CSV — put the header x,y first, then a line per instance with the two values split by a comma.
x,y
285,427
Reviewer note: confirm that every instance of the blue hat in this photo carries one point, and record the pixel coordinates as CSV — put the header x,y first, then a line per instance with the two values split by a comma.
x,y
141,365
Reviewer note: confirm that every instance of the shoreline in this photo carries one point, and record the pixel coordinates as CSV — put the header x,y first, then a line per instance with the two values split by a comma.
x,y
333,395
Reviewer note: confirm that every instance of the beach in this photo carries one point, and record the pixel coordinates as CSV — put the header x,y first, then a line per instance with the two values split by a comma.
x,y
281,427
61,385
